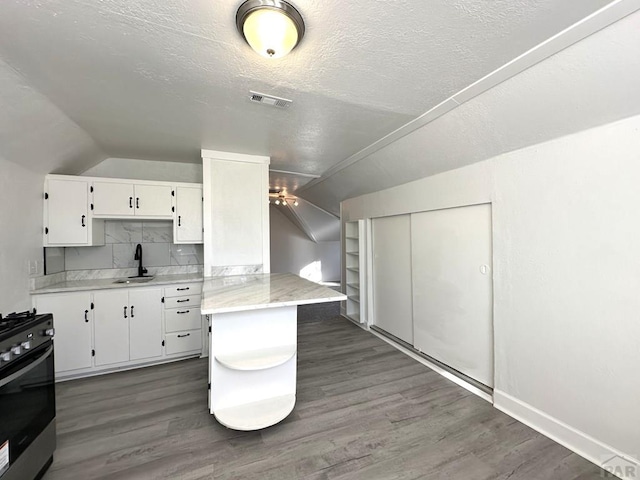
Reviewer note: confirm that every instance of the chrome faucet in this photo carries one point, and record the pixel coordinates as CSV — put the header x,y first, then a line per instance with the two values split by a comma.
x,y
138,256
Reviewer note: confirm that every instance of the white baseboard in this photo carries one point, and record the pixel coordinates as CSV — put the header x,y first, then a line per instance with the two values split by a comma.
x,y
579,442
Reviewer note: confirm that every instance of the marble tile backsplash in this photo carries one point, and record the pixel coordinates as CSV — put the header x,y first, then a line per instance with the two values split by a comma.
x,y
121,238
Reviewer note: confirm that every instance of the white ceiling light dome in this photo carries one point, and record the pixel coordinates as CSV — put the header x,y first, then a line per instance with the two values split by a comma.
x,y
271,27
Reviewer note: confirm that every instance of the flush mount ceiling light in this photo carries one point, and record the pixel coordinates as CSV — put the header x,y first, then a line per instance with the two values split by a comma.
x,y
271,27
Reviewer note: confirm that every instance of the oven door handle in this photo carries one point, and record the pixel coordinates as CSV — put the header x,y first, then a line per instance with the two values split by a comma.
x,y
26,369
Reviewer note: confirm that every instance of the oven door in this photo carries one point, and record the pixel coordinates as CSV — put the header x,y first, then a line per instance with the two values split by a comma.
x,y
27,402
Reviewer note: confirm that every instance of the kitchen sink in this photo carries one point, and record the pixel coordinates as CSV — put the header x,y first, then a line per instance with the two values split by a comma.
x,y
135,280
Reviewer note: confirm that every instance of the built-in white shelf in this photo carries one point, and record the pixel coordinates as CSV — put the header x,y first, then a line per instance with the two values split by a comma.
x,y
256,415
354,268
257,359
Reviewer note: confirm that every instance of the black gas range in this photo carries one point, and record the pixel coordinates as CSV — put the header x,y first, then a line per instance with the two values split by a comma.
x,y
27,395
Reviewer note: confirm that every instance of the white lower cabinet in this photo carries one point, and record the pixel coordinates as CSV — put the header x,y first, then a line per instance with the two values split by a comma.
x,y
183,342
128,325
104,330
111,339
182,319
145,331
72,320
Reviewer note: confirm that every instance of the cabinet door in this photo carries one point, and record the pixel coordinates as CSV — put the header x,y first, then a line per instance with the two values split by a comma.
x,y
392,276
114,199
67,212
188,219
111,329
452,288
145,323
72,316
153,200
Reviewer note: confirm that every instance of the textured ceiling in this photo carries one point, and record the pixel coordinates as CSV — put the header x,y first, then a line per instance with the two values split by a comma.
x,y
588,84
160,79
36,134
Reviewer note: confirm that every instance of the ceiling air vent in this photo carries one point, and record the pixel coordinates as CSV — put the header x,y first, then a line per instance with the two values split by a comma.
x,y
269,100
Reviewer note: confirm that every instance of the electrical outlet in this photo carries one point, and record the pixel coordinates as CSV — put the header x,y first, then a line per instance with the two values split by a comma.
x,y
33,267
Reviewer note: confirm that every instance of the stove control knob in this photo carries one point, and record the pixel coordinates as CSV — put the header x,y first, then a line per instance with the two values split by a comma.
x,y
49,332
17,350
26,345
6,356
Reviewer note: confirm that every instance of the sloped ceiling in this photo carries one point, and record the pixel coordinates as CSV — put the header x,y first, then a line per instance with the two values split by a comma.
x,y
36,134
590,83
156,79
317,224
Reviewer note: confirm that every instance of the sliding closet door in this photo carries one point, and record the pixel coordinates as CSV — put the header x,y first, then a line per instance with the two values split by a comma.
x,y
452,288
392,276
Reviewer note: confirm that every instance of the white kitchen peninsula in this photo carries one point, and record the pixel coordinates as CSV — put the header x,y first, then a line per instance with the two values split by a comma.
x,y
253,345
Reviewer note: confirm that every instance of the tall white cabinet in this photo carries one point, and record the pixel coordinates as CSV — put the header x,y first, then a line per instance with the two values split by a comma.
x,y
236,211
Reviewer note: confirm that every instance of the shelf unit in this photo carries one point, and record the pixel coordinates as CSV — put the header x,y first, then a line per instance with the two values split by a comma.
x,y
354,269
252,364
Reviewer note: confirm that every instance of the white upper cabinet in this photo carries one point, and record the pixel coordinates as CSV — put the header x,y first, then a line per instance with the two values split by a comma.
x,y
75,208
113,199
187,224
153,200
67,219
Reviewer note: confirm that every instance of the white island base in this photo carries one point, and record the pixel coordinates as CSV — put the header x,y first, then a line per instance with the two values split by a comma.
x,y
253,345
253,367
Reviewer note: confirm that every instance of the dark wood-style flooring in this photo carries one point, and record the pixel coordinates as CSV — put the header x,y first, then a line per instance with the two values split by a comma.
x,y
364,411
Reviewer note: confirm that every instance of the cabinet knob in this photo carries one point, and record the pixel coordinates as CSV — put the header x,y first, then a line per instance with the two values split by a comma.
x,y
83,217
131,311
130,202
86,316
125,312
179,221
137,202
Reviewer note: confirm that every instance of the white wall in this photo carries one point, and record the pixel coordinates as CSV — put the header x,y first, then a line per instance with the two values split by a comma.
x,y
291,249
20,233
147,170
566,234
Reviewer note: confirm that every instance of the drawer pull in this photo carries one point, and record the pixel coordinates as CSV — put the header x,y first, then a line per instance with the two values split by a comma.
x,y
181,312
181,289
185,335
182,301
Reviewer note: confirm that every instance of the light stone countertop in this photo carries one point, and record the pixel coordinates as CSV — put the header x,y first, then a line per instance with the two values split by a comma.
x,y
269,290
108,283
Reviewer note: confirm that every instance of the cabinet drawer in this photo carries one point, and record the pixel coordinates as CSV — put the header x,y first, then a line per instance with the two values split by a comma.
x,y
183,289
180,302
183,342
178,319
